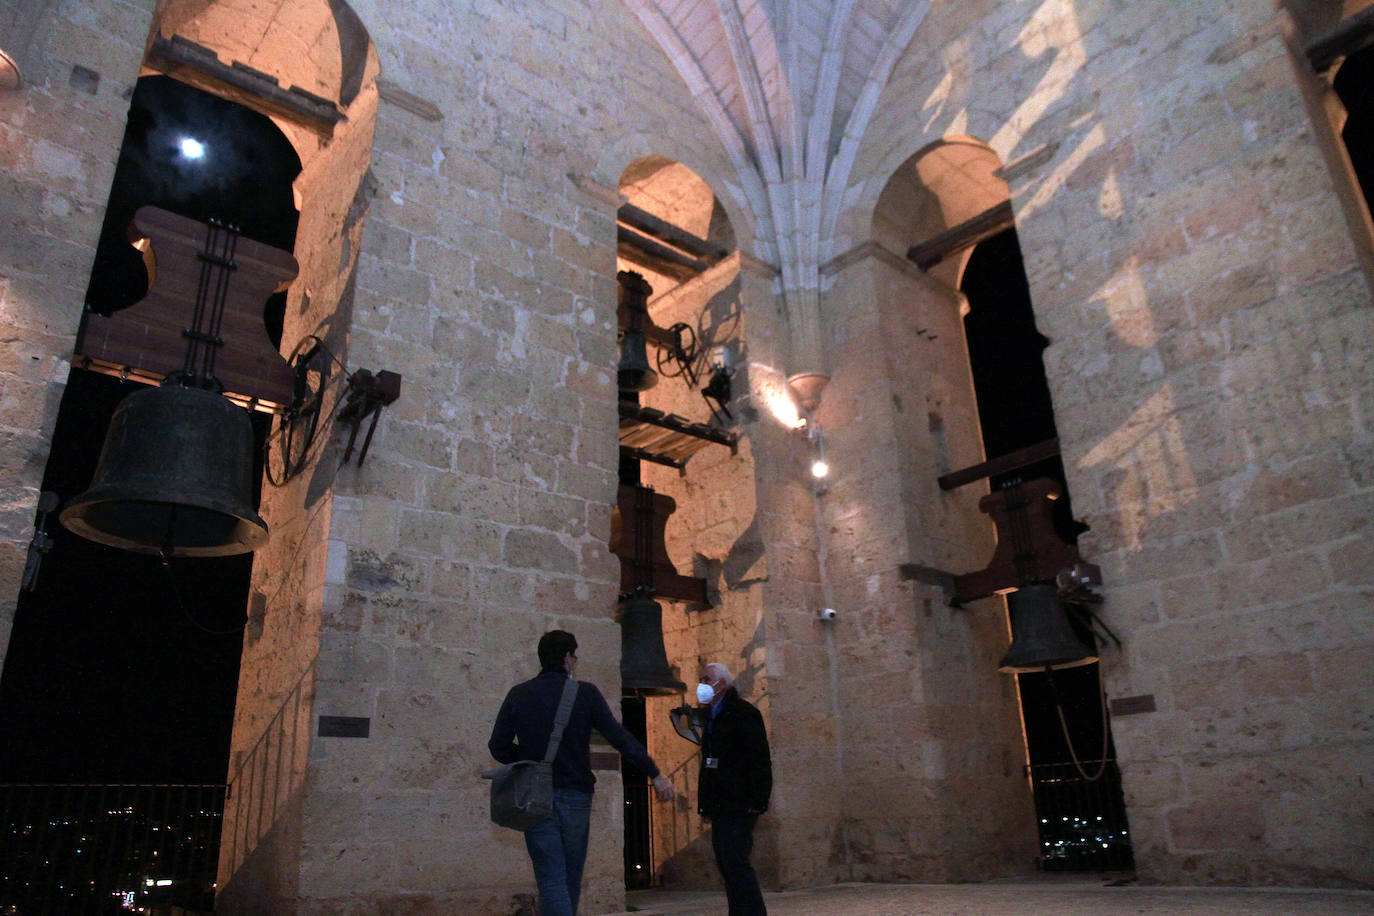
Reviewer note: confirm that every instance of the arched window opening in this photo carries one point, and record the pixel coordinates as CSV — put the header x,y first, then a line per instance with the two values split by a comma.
x,y
1354,84
122,668
1088,829
1005,354
678,319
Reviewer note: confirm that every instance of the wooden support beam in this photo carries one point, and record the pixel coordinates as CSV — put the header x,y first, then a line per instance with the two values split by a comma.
x,y
1001,465
676,236
645,251
1351,35
965,235
201,67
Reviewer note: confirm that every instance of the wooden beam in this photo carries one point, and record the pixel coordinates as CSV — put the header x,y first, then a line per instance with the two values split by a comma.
x,y
1001,465
1351,35
642,250
965,235
649,224
201,67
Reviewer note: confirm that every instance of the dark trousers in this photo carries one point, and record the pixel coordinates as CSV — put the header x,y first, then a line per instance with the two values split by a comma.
x,y
732,840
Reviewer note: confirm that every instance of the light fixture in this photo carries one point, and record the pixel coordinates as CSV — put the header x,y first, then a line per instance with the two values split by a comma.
x,y
10,76
820,468
807,388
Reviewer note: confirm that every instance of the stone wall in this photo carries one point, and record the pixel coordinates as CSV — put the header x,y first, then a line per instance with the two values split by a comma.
x,y
59,140
1194,256
481,517
926,723
1193,266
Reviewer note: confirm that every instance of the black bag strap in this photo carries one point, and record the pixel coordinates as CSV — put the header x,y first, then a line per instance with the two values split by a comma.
x,y
560,720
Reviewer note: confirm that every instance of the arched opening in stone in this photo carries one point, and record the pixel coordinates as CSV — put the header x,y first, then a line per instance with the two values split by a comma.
x,y
206,139
674,235
946,185
1354,84
948,209
162,626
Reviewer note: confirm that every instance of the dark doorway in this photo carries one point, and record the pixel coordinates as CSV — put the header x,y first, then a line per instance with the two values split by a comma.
x,y
639,851
1079,806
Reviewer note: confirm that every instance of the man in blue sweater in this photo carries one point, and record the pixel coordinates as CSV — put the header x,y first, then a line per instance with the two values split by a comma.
x,y
558,845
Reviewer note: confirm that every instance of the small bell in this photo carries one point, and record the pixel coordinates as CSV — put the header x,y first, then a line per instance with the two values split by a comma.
x,y
634,372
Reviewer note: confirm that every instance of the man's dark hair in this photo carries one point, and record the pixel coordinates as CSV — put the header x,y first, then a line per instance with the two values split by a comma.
x,y
553,646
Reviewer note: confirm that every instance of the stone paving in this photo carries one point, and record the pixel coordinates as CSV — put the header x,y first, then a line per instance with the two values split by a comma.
x,y
1067,895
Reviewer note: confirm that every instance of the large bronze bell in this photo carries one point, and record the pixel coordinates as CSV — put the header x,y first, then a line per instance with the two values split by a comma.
x,y
174,478
634,372
644,667
1041,635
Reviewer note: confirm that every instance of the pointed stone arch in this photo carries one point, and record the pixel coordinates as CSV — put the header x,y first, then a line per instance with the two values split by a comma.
x,y
943,185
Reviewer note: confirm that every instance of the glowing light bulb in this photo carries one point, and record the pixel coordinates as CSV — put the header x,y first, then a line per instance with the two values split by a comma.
x,y
819,468
192,148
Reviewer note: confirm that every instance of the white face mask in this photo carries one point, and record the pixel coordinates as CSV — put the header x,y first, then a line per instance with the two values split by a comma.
x,y
705,693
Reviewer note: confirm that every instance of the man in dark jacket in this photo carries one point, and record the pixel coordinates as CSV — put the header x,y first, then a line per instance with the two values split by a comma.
x,y
736,780
558,845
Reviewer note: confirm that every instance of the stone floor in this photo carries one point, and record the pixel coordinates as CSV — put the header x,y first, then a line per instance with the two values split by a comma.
x,y
1072,895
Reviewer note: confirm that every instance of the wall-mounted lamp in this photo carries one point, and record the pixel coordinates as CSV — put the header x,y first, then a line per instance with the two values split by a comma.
x,y
807,388
820,469
10,77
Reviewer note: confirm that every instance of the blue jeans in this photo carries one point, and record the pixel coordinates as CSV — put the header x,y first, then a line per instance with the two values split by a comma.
x,y
558,850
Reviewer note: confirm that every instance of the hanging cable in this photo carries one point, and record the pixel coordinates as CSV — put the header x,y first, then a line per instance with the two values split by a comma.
x,y
1064,724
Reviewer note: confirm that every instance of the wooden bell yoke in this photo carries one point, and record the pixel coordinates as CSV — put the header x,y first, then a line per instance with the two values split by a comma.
x,y
186,259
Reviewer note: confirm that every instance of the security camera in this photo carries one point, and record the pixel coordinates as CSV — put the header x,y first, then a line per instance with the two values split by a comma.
x,y
826,613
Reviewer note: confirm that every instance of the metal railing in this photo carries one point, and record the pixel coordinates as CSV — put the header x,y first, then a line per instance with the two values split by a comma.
x,y
1082,821
79,849
267,775
678,825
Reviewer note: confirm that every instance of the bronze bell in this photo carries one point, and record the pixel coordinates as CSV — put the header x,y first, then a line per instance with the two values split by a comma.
x,y
644,667
1041,635
634,372
174,478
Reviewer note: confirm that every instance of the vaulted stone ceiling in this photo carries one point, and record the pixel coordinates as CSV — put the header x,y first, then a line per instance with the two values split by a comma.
x,y
789,88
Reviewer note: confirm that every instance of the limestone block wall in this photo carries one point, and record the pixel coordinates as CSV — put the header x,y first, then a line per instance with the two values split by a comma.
x,y
1225,457
481,517
927,724
59,140
1192,265
275,711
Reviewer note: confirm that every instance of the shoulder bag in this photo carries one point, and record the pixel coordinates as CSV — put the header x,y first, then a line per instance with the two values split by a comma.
x,y
522,792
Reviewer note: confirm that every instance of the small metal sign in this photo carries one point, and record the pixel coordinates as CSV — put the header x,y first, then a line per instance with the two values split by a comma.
x,y
345,726
1130,706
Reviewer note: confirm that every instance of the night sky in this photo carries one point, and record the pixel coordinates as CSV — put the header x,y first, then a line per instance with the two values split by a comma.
x,y
120,668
